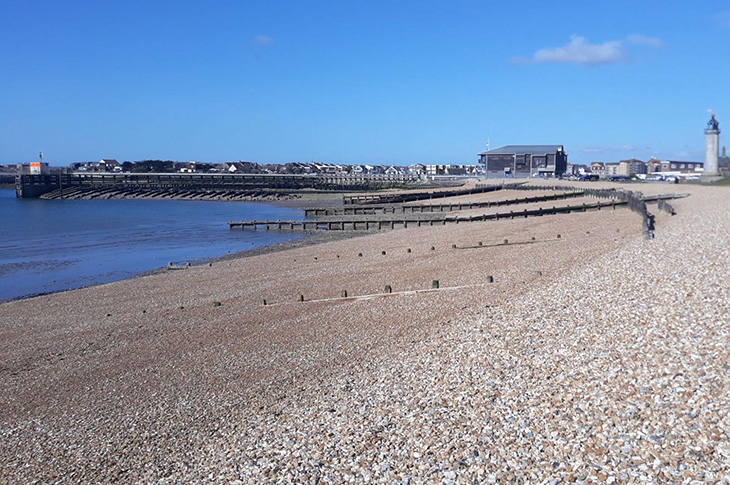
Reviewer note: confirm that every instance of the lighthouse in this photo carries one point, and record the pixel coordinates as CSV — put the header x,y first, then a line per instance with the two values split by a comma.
x,y
712,146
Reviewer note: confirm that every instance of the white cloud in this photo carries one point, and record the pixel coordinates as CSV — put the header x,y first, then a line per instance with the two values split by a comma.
x,y
614,149
262,41
639,39
580,51
723,18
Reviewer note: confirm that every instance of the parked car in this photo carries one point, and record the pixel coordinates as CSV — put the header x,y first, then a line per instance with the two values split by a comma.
x,y
590,177
619,178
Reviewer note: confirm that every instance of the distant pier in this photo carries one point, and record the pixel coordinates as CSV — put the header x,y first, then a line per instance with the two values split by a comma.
x,y
56,185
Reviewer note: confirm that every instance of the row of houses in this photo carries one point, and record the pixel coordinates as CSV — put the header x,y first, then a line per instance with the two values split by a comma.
x,y
339,169
633,166
242,167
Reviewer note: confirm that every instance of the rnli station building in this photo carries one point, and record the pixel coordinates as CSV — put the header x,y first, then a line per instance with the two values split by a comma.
x,y
523,161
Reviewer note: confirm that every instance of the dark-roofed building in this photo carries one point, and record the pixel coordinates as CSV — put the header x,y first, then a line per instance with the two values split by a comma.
x,y
521,161
723,163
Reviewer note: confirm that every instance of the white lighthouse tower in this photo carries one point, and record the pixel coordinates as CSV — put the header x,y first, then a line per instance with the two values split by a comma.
x,y
712,147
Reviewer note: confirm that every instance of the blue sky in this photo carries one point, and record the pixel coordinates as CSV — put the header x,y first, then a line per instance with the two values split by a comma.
x,y
359,82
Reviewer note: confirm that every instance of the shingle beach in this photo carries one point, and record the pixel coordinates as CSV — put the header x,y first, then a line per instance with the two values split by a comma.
x,y
594,357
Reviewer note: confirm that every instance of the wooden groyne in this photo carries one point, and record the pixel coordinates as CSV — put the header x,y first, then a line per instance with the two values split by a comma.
x,y
178,194
428,208
634,200
385,224
414,196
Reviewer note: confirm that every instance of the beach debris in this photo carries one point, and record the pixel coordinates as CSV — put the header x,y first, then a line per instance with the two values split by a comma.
x,y
388,289
435,284
343,294
173,266
490,279
217,303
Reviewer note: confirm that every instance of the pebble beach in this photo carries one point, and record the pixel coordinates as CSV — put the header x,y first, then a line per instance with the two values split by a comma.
x,y
585,355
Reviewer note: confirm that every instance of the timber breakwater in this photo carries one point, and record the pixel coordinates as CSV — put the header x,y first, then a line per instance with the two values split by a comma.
x,y
388,211
194,186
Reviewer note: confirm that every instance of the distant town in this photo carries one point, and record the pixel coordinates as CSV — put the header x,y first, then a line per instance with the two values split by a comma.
x,y
511,161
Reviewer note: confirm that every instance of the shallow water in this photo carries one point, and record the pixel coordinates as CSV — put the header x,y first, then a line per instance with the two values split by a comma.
x,y
53,245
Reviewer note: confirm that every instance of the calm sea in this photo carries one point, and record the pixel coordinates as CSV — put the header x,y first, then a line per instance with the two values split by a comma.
x,y
53,245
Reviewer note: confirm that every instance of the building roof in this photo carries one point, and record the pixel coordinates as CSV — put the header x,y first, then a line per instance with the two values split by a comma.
x,y
522,149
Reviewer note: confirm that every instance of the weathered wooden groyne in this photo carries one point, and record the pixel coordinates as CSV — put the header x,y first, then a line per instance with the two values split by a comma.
x,y
381,224
428,208
179,193
634,200
32,186
400,198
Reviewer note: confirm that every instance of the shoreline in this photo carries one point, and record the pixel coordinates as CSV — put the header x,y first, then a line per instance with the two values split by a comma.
x,y
304,239
298,203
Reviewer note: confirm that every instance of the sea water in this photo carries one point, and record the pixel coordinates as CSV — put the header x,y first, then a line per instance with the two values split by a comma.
x,y
54,245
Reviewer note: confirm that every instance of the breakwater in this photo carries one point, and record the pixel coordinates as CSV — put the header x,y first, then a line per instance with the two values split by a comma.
x,y
91,185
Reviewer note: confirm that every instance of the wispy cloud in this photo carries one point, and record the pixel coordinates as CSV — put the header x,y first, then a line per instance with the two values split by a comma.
x,y
262,41
639,39
580,51
723,18
614,149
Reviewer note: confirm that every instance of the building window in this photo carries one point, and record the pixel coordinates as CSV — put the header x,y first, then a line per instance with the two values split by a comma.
x,y
674,165
682,166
